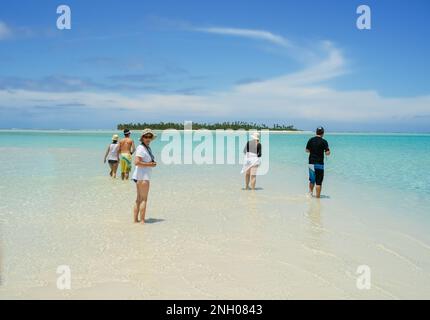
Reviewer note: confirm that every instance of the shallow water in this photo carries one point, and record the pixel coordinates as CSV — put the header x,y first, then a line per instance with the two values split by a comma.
x,y
208,238
396,161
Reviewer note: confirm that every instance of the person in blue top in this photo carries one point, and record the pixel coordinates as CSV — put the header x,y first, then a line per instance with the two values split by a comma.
x,y
317,147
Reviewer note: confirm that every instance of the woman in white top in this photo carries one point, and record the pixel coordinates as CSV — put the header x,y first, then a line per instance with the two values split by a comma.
x,y
112,156
144,162
252,160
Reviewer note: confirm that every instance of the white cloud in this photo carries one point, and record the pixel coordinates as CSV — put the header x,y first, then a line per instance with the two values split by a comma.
x,y
298,52
331,66
5,31
303,95
248,33
300,95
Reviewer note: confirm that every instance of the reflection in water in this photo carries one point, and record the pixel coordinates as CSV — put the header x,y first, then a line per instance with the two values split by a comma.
x,y
314,213
254,222
254,214
315,223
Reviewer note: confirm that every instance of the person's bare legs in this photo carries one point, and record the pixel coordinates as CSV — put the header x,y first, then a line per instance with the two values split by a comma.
x,y
111,169
311,188
253,181
318,191
114,170
136,210
141,200
137,204
247,178
125,175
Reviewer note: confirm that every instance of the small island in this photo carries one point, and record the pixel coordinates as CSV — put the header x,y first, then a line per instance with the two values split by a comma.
x,y
236,125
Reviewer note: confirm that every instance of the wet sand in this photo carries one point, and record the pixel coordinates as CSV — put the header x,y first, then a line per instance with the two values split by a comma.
x,y
220,243
206,237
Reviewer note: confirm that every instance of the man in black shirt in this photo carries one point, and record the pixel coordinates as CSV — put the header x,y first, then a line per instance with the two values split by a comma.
x,y
317,147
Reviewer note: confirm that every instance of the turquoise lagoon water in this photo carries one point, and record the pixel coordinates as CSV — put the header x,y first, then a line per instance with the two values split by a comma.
x,y
393,161
58,206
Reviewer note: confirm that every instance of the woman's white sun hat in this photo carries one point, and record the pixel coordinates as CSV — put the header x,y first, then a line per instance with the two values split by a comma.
x,y
115,137
149,131
255,136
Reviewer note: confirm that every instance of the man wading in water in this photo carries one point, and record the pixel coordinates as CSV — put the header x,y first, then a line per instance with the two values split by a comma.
x,y
126,149
317,147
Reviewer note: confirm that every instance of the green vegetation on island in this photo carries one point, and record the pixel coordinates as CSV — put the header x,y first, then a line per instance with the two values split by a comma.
x,y
236,125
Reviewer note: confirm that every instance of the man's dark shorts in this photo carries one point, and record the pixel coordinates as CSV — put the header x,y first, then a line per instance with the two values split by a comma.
x,y
316,174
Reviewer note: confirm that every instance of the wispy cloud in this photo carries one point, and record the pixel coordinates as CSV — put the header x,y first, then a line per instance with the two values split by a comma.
x,y
304,95
136,78
107,37
63,83
51,83
5,31
117,63
299,96
248,33
23,32
100,61
280,44
331,66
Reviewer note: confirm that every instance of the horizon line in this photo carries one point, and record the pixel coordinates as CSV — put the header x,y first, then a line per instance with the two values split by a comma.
x,y
298,131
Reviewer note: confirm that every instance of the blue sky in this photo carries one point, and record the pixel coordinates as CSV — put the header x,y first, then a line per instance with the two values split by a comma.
x,y
294,62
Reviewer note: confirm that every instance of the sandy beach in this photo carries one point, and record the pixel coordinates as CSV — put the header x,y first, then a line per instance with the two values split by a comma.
x,y
206,238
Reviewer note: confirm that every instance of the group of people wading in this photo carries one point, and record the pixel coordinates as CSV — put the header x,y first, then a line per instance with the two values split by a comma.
x,y
120,154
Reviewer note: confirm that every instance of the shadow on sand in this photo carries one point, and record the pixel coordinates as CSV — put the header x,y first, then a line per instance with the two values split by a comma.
x,y
256,189
153,220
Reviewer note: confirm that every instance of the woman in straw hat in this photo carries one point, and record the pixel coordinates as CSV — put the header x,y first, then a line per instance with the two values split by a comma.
x,y
252,160
144,162
112,156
